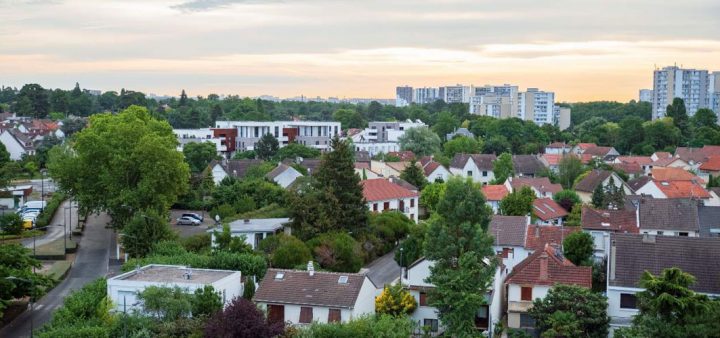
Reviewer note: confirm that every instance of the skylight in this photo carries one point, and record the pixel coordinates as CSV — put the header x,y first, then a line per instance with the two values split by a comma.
x,y
343,280
279,275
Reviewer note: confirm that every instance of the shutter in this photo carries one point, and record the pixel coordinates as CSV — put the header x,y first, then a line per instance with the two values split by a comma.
x,y
423,299
334,315
306,314
526,293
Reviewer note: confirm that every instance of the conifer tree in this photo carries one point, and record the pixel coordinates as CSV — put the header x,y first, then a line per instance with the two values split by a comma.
x,y
414,175
598,197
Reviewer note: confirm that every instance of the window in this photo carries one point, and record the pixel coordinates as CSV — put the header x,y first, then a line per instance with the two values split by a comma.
x,y
660,233
683,234
276,313
526,320
306,315
334,315
628,301
277,131
423,299
469,173
506,252
526,293
317,143
432,324
412,202
402,206
375,206
484,173
386,206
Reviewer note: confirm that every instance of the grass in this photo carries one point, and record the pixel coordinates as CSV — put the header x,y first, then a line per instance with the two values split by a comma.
x,y
54,250
58,270
24,234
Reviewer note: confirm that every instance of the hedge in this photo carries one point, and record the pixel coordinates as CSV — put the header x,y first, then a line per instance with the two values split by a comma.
x,y
47,214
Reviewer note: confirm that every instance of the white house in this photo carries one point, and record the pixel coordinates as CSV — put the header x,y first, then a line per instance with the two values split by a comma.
x,y
668,217
254,230
13,197
479,167
304,297
434,171
557,148
284,175
509,239
232,168
123,289
674,189
494,193
632,255
541,186
17,144
392,193
600,224
185,136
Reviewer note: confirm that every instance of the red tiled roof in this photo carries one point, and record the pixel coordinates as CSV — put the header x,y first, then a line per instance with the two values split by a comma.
x,y
623,221
430,167
584,146
665,161
628,168
551,159
712,163
558,145
539,235
674,174
380,189
541,184
299,288
495,192
362,165
641,160
682,189
598,151
548,267
406,155
547,209
425,160
662,154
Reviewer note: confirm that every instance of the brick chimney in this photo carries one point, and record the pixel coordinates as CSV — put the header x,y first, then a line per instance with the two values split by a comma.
x,y
544,266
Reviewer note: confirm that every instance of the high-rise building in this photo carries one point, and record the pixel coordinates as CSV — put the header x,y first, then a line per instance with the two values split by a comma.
x,y
495,101
562,117
403,96
714,92
425,95
646,95
537,106
456,94
691,85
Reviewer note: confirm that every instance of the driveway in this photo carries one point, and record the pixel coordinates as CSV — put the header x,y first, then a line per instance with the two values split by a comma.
x,y
189,230
90,263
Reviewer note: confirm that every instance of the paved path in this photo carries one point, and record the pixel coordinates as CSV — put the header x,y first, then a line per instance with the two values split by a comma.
x,y
65,217
91,263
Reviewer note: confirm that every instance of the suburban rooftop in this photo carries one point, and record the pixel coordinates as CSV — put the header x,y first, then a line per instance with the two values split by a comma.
x,y
174,274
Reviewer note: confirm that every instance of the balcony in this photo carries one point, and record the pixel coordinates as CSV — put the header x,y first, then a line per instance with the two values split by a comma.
x,y
519,306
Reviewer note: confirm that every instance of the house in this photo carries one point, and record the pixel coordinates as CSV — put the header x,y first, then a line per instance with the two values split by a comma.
x,y
13,197
669,162
638,182
541,186
509,238
632,255
601,223
479,167
674,189
668,217
17,144
459,132
605,154
674,174
404,156
383,194
363,170
552,161
303,297
711,167
587,185
660,154
434,171
254,230
709,221
232,168
362,157
643,161
284,175
123,290
310,164
557,148
387,169
633,170
539,235
548,212
415,279
581,147
527,165
533,278
494,193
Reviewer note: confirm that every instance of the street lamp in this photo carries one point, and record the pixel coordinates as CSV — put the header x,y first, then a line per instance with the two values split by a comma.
x,y
32,298
401,265
43,172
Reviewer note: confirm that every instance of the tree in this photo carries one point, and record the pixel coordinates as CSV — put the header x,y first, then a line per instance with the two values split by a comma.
x,y
385,326
72,125
285,251
503,168
143,230
59,101
166,303
337,252
267,147
198,155
421,141
445,123
631,134
432,194
458,245
598,197
11,224
206,301
569,168
578,248
395,300
571,311
33,101
462,145
567,199
242,319
80,103
518,203
676,111
122,164
295,150
183,99
15,261
249,289
497,144
413,247
614,195
414,175
349,118
704,118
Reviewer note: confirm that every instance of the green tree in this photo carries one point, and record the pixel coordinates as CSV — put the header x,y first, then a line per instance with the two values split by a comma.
x,y
497,144
11,224
143,230
421,141
503,168
567,199
432,194
445,123
578,248
571,311
414,175
183,99
661,133
462,145
59,101
337,252
705,136
33,100
80,103
166,303
249,290
267,147
704,118
458,244
294,150
518,203
285,251
198,155
614,195
349,118
121,164
395,301
413,247
16,261
676,111
599,200
206,302
569,168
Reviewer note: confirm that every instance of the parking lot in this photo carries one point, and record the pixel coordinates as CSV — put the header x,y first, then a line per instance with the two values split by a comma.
x,y
189,230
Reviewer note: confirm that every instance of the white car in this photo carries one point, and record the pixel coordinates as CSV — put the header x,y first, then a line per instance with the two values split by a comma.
x,y
186,220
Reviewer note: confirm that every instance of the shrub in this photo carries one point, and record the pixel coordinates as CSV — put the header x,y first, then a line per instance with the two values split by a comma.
x,y
395,300
87,306
249,290
11,224
166,303
242,319
47,214
286,251
249,264
361,327
199,243
206,302
223,210
337,252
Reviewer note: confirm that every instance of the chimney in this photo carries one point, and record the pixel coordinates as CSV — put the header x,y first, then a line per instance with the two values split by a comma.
x,y
648,239
537,230
611,264
637,213
544,266
311,268
246,221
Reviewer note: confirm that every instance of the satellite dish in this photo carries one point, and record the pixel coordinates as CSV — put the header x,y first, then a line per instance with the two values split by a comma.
x,y
217,218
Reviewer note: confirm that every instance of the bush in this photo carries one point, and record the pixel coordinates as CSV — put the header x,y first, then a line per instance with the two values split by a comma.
x,y
199,243
11,224
337,252
389,228
206,302
285,251
361,327
249,290
249,264
47,214
242,319
80,330
395,300
84,307
166,303
223,210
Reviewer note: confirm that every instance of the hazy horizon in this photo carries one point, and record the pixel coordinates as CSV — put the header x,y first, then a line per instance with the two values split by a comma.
x,y
581,50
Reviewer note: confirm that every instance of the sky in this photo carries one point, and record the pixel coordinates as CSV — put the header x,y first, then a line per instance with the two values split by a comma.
x,y
581,49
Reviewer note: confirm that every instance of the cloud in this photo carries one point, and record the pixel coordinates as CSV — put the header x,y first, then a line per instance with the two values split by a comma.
x,y
206,5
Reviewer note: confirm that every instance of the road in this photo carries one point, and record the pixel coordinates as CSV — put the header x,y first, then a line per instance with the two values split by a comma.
x,y
90,263
383,270
62,217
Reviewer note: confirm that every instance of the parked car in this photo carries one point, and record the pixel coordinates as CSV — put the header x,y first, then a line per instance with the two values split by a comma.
x,y
193,215
185,220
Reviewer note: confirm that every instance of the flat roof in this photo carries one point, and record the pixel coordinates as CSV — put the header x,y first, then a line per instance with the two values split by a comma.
x,y
255,225
174,274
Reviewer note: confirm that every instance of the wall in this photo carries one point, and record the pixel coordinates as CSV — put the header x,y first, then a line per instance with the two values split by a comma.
x,y
394,205
667,232
477,176
441,173
365,303
13,147
218,174
619,317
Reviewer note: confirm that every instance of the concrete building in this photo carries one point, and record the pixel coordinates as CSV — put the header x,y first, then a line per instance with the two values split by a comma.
x,y
389,131
714,92
403,96
537,106
185,136
123,289
426,95
561,117
254,230
314,134
646,95
495,101
691,85
456,94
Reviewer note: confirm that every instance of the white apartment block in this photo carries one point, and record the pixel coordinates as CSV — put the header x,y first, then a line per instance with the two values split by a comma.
x,y
495,101
537,106
186,136
646,95
561,117
714,92
389,131
425,95
691,85
455,94
403,96
314,134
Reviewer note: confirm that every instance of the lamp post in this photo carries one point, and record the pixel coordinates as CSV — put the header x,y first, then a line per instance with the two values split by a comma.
x,y
43,172
32,299
401,265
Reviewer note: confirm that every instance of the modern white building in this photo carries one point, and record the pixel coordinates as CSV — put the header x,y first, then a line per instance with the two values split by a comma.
x,y
314,134
645,95
561,117
123,289
537,106
455,94
426,95
691,85
185,136
389,131
714,92
254,230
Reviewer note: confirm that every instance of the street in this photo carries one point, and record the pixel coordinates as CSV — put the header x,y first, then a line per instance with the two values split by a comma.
x,y
91,263
65,216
